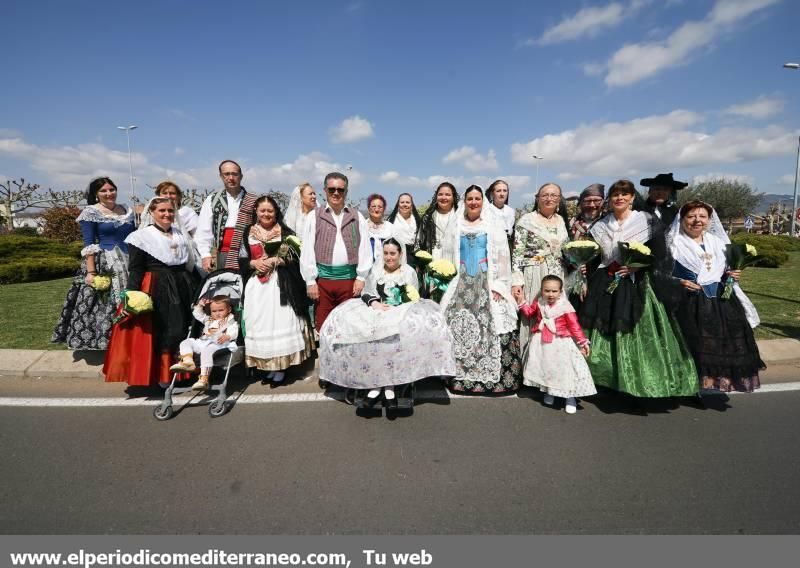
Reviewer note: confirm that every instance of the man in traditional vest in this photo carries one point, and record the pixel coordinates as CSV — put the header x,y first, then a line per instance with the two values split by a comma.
x,y
223,219
336,256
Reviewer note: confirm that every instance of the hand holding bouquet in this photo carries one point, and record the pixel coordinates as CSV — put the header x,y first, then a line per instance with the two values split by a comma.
x,y
134,303
580,253
634,255
737,257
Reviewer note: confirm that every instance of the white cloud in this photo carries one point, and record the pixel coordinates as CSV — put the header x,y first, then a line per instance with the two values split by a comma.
x,y
567,176
594,69
179,151
786,179
674,140
587,22
637,61
71,167
461,182
762,107
728,177
471,159
351,129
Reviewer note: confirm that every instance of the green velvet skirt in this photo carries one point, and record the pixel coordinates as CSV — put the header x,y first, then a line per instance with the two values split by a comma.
x,y
650,358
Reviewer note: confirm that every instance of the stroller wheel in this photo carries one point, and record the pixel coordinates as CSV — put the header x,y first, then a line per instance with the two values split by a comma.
x,y
217,408
163,413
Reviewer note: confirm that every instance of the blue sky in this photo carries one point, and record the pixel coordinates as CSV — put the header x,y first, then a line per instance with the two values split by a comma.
x,y
407,94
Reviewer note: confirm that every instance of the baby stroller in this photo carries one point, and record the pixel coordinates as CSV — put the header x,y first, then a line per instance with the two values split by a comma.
x,y
220,282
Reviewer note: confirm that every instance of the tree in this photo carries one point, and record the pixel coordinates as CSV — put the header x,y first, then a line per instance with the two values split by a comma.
x,y
730,198
59,224
17,196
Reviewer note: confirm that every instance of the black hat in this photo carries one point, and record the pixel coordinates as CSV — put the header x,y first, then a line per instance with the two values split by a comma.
x,y
663,180
596,189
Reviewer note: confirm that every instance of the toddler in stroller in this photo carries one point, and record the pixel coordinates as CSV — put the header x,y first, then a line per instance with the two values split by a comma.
x,y
219,331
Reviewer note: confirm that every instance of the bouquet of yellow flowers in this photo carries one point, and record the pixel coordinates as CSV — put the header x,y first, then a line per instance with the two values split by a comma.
x,y
423,257
580,253
134,303
438,275
738,257
397,295
101,282
634,255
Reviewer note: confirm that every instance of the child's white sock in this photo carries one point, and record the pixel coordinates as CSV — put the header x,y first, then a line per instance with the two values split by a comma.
x,y
571,407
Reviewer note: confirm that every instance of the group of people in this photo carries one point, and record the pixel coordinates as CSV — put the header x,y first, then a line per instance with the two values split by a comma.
x,y
363,288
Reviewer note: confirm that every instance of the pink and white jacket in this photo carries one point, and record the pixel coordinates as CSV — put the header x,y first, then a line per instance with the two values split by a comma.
x,y
558,320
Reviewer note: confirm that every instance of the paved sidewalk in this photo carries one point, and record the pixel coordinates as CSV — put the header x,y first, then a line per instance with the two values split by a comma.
x,y
35,363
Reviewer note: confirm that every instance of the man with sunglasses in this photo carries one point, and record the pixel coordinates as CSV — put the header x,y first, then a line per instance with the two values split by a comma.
x,y
223,219
336,256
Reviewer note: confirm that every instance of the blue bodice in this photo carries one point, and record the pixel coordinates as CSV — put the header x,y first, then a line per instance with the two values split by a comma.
x,y
473,253
106,235
680,271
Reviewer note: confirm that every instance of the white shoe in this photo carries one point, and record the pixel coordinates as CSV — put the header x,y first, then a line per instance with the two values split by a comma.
x,y
374,393
388,393
549,399
571,407
277,376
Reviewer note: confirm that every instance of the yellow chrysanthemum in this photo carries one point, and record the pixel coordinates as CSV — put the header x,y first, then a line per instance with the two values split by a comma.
x,y
751,250
639,247
294,241
423,255
139,302
101,283
443,268
412,293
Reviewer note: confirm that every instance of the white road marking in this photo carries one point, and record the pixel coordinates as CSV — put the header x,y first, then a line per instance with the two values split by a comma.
x,y
274,398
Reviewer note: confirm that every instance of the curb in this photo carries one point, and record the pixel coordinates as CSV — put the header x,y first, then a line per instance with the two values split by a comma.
x,y
41,363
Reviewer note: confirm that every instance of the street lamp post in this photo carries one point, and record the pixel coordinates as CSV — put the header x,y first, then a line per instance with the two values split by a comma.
x,y
127,130
794,66
536,183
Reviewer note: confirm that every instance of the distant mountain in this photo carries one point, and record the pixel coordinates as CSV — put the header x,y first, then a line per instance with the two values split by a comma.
x,y
771,198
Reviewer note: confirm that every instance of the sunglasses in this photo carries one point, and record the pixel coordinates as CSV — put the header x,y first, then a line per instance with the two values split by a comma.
x,y
333,190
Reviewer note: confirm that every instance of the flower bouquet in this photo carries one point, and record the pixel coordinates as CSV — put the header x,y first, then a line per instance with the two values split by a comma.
x,y
397,295
101,282
438,275
134,303
288,247
580,253
737,257
634,255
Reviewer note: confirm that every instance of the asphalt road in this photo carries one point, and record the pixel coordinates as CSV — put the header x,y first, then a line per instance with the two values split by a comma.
x,y
478,466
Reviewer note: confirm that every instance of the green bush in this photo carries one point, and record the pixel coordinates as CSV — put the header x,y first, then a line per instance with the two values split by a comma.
x,y
25,232
28,259
771,248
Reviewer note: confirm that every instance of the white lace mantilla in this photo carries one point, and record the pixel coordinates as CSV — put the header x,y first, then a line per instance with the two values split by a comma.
x,y
171,251
93,215
608,233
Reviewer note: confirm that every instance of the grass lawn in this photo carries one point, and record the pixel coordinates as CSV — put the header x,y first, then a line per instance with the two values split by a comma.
x,y
776,294
28,312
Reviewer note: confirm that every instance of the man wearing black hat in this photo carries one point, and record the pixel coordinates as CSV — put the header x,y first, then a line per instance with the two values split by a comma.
x,y
590,204
662,197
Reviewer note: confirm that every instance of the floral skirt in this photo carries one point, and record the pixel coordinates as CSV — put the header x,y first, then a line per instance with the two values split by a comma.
x,y
721,341
85,321
486,362
421,348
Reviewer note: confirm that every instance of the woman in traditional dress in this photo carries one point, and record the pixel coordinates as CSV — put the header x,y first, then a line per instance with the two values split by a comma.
x,y
186,216
388,337
497,194
378,229
302,203
538,238
718,331
438,225
278,332
637,348
85,321
405,220
162,265
478,305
